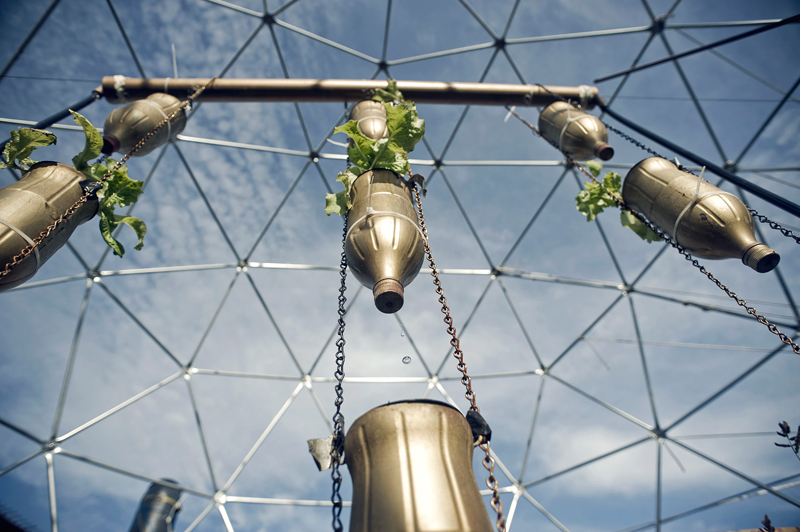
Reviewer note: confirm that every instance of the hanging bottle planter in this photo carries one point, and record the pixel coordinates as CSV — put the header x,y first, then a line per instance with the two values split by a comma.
x,y
411,467
158,509
126,126
710,223
383,244
29,206
578,134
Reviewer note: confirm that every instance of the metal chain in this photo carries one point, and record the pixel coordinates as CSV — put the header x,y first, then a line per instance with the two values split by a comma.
x,y
27,250
338,418
454,341
491,482
774,225
638,144
741,302
488,461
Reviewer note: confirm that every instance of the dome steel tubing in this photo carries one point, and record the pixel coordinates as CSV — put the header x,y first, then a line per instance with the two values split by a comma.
x,y
764,194
709,46
116,90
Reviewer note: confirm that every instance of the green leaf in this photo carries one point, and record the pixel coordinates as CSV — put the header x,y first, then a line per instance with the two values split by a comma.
x,y
120,190
362,150
95,172
391,94
405,130
405,126
109,222
349,176
136,224
338,203
612,182
106,228
597,197
644,232
22,144
93,145
595,167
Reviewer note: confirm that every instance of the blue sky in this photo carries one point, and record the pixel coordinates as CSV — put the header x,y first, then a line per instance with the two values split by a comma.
x,y
130,412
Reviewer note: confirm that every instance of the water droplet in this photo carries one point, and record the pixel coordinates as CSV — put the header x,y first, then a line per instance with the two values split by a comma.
x,y
406,360
402,333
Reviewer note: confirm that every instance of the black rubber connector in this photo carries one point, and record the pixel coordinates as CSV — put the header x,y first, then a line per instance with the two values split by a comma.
x,y
479,426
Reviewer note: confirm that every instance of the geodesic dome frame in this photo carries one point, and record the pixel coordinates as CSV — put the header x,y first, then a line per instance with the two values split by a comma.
x,y
235,291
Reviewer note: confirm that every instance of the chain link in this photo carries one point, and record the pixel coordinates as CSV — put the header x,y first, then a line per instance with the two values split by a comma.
x,y
454,341
338,418
488,461
741,302
27,250
491,483
774,225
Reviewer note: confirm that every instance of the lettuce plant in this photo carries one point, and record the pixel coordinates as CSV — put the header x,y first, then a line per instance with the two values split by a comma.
x,y
117,190
405,129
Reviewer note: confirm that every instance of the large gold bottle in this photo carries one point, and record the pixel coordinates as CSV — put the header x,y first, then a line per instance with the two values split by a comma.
x,y
125,126
580,135
710,223
29,206
411,467
383,244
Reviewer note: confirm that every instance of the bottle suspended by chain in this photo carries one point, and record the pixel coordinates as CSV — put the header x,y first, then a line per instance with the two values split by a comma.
x,y
127,125
708,222
383,243
575,132
29,206
40,212
158,509
411,467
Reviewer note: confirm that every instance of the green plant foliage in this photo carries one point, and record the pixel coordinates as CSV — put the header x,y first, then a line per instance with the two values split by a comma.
x,y
118,189
596,197
391,94
634,224
405,129
595,167
93,146
22,144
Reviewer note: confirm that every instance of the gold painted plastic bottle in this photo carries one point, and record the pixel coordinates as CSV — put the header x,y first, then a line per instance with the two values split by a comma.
x,y
711,225
411,467
126,126
29,206
581,135
371,116
383,244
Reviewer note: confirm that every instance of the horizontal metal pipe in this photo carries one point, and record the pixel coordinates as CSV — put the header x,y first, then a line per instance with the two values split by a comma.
x,y
119,89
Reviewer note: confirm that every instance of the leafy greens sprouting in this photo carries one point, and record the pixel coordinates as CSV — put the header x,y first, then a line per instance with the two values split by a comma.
x,y
118,189
596,197
405,129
